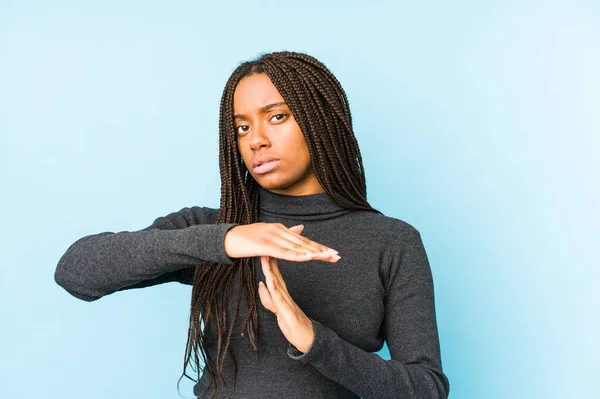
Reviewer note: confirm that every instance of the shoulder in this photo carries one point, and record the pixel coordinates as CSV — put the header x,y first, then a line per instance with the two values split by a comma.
x,y
403,255
186,217
394,231
397,241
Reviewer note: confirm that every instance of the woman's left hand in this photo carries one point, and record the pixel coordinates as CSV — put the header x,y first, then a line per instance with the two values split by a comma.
x,y
294,324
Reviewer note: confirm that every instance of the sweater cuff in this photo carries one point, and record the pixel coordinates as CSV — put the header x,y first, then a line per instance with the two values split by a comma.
x,y
214,242
317,353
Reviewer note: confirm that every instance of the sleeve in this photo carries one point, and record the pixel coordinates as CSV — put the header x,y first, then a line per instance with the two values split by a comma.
x,y
410,330
168,250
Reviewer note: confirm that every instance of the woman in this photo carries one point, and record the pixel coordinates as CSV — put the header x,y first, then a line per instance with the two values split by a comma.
x,y
334,277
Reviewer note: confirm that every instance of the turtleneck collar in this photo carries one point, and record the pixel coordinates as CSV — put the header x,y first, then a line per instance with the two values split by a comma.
x,y
301,207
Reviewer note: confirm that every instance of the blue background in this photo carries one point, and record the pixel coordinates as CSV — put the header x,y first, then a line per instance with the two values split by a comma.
x,y
478,123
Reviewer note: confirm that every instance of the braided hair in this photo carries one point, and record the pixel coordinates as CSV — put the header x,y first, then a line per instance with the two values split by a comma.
x,y
320,107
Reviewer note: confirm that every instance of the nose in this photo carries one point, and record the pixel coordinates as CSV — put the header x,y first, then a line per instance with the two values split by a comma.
x,y
258,138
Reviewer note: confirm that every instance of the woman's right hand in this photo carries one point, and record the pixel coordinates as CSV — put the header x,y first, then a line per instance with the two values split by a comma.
x,y
276,240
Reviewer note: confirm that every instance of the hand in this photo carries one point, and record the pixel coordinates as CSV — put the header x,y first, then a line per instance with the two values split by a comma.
x,y
293,323
275,240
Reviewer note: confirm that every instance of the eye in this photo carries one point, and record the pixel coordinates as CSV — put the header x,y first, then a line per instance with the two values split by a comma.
x,y
279,117
244,128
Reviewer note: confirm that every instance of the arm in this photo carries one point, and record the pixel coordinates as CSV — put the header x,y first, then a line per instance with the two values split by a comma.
x,y
410,330
100,264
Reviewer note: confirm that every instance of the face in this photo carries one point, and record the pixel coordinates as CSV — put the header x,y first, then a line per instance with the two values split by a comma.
x,y
269,139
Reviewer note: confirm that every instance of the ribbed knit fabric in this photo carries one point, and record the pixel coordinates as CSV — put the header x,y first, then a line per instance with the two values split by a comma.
x,y
380,289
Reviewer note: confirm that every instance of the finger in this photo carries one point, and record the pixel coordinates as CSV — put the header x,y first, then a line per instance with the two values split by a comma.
x,y
276,287
266,268
276,273
276,300
307,256
273,276
289,241
292,246
297,229
282,248
273,282
299,241
265,297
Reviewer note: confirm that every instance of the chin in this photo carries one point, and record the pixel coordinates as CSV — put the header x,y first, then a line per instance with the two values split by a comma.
x,y
274,183
273,186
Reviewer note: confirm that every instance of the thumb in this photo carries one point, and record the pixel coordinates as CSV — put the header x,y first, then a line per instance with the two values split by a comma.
x,y
297,229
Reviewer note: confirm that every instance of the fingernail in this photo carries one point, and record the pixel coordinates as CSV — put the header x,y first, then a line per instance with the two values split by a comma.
x,y
330,251
336,257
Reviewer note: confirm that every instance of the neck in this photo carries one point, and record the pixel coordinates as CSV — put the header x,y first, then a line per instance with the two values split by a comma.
x,y
299,207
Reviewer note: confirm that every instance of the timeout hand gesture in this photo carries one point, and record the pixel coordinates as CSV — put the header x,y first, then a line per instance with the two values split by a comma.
x,y
293,323
271,241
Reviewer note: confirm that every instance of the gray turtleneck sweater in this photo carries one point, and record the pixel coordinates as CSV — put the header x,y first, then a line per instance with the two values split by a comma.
x,y
381,289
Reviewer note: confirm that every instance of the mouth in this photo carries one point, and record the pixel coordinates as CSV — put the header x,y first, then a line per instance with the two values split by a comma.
x,y
266,166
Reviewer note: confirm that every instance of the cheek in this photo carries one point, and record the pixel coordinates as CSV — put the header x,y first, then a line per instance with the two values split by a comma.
x,y
295,142
301,147
246,155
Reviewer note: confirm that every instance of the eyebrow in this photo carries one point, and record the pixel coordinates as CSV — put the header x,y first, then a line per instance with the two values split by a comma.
x,y
262,110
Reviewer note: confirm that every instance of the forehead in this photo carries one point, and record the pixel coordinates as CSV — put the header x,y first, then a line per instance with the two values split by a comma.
x,y
254,92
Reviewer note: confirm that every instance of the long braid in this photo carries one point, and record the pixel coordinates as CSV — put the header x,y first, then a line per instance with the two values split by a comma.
x,y
330,101
333,125
321,109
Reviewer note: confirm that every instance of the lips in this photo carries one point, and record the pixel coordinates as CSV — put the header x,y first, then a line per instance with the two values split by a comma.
x,y
261,160
266,167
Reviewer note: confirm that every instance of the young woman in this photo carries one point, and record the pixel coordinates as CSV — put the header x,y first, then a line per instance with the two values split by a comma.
x,y
334,277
